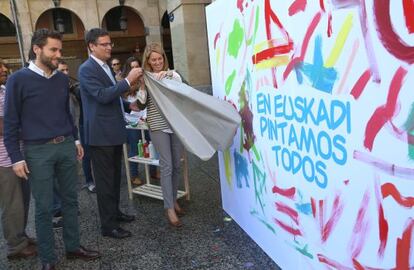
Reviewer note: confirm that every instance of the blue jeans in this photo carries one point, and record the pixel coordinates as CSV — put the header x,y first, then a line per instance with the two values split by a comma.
x,y
48,163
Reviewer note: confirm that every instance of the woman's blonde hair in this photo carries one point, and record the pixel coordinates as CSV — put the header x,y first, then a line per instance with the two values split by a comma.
x,y
150,48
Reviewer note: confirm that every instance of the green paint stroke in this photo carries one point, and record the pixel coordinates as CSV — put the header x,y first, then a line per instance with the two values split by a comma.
x,y
304,251
409,127
229,82
227,167
267,224
257,155
259,179
235,39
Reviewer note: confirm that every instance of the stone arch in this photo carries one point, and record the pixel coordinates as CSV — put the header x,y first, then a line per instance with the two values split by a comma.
x,y
132,40
8,43
166,38
74,49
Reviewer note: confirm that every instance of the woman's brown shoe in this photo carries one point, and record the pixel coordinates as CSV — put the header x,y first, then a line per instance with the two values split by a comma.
x,y
172,218
178,210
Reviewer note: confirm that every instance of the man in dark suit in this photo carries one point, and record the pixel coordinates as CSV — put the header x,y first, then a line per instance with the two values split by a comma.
x,y
104,127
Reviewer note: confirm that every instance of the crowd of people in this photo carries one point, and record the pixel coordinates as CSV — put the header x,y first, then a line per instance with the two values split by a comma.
x,y
48,123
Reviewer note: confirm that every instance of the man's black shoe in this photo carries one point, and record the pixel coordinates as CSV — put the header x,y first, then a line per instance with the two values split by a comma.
x,y
125,218
83,254
117,233
48,266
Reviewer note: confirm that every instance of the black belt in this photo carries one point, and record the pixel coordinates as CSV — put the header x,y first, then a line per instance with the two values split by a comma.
x,y
56,140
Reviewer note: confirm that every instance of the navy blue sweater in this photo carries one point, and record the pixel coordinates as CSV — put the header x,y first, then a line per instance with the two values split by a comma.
x,y
36,110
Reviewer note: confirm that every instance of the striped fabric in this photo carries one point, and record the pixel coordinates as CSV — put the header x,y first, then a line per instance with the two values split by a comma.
x,y
154,118
4,157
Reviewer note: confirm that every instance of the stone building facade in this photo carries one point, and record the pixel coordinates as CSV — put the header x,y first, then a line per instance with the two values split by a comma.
x,y
179,24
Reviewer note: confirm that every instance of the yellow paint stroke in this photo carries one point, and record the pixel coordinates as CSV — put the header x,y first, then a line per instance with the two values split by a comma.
x,y
340,42
280,60
264,45
227,167
218,56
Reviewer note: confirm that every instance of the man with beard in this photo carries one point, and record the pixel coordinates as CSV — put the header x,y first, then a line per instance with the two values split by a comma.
x,y
14,195
37,112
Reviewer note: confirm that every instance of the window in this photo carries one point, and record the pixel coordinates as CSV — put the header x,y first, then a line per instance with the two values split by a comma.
x,y
112,19
7,28
66,17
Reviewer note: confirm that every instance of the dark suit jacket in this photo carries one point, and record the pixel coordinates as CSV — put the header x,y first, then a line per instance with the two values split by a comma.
x,y
103,121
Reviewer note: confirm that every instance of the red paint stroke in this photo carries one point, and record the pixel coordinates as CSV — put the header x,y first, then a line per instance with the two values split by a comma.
x,y
336,265
336,213
240,5
389,189
329,30
384,113
292,213
216,38
271,52
360,228
383,231
389,38
386,167
313,204
298,5
322,5
408,7
309,32
359,266
382,222
404,246
288,228
360,84
288,192
270,16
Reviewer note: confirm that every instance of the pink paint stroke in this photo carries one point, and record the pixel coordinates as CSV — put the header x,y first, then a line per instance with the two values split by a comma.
x,y
292,213
249,33
288,228
360,227
400,134
336,213
351,59
386,167
384,113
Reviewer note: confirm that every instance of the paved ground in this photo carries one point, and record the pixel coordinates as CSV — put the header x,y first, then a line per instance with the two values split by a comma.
x,y
206,241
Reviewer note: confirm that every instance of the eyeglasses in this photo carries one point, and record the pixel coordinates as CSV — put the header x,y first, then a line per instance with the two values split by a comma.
x,y
116,64
109,44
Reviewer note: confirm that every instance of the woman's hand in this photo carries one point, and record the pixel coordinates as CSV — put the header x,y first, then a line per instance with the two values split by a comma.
x,y
162,74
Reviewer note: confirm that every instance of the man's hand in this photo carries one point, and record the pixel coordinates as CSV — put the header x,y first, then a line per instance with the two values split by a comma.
x,y
21,169
134,75
79,150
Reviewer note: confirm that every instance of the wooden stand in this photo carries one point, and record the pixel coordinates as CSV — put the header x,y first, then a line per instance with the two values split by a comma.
x,y
148,189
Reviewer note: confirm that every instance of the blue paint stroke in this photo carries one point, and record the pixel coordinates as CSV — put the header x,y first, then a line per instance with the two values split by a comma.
x,y
304,208
241,166
322,78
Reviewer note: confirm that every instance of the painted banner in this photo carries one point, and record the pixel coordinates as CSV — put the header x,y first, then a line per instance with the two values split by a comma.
x,y
321,171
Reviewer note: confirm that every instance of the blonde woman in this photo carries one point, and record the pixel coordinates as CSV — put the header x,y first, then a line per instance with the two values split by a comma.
x,y
165,141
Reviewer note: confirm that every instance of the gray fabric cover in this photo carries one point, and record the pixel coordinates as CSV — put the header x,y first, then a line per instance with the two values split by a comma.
x,y
203,123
